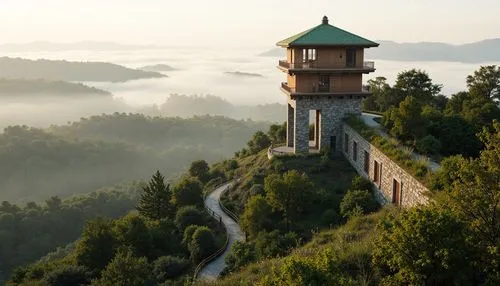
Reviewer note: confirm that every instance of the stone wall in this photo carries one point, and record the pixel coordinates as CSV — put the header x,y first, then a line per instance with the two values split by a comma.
x,y
333,110
412,191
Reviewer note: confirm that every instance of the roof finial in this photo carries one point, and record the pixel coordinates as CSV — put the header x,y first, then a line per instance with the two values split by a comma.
x,y
325,20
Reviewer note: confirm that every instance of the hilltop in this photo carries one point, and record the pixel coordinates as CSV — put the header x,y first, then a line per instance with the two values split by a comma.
x,y
16,87
17,68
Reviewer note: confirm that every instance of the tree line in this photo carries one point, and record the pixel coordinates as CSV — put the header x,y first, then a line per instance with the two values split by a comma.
x,y
416,113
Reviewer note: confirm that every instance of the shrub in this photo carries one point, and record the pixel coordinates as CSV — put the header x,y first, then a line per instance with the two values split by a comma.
x,y
188,234
428,145
187,216
258,142
355,201
240,255
68,275
188,192
168,267
257,189
272,244
202,244
361,183
330,217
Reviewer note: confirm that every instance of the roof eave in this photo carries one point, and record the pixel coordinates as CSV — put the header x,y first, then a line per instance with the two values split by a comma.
x,y
331,45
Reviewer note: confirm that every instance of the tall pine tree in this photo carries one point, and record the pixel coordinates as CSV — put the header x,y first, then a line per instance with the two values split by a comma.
x,y
155,199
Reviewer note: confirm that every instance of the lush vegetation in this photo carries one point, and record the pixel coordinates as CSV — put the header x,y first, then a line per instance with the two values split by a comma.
x,y
159,244
393,149
16,68
16,87
109,149
31,231
416,114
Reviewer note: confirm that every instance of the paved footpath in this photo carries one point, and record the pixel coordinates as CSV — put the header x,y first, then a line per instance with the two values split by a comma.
x,y
212,270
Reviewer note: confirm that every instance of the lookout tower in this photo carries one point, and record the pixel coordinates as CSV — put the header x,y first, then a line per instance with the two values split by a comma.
x,y
324,67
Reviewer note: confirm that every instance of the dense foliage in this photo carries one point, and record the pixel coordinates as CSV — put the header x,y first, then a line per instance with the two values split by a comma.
x,y
134,249
416,114
452,241
30,232
108,149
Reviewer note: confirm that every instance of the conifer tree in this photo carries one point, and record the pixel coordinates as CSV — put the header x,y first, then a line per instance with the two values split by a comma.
x,y
155,199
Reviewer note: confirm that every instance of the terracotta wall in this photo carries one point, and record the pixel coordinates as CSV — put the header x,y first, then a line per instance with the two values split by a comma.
x,y
338,83
327,57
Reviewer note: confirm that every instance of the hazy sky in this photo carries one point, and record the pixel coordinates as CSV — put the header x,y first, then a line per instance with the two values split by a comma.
x,y
236,23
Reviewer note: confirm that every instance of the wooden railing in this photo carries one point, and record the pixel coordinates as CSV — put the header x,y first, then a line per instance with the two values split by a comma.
x,y
226,210
219,251
313,64
285,86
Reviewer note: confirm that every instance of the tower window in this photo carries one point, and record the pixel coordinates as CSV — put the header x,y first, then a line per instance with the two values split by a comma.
x,y
308,55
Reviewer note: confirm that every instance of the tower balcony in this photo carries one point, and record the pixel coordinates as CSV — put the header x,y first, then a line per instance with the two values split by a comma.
x,y
317,67
326,90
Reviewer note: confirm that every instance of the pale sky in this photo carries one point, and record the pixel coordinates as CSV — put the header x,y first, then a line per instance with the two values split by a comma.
x,y
250,23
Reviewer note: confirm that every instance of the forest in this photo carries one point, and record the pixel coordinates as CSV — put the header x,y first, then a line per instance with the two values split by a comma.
x,y
106,150
419,116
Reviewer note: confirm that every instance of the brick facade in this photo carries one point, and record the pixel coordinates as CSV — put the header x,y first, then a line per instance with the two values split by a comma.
x,y
389,178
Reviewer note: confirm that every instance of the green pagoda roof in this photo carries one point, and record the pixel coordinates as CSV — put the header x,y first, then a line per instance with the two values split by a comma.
x,y
326,35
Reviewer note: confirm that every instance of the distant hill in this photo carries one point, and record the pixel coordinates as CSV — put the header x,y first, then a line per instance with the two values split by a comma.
x,y
276,52
79,46
70,71
478,52
14,87
187,106
158,68
244,74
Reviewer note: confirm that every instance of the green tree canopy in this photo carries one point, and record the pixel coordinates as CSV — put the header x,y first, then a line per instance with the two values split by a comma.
x,y
155,202
289,193
485,82
188,192
202,244
417,84
200,169
97,245
422,245
256,216
125,270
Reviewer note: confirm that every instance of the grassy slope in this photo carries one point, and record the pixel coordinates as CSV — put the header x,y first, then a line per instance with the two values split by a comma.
x,y
349,243
331,180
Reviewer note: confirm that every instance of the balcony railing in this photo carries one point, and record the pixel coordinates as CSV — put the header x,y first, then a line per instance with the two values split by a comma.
x,y
315,89
313,65
369,65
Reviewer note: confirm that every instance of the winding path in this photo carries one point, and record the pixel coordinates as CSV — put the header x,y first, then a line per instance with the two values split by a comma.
x,y
213,269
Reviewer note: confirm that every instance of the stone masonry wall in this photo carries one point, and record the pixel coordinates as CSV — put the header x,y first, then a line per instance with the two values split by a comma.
x,y
412,191
332,109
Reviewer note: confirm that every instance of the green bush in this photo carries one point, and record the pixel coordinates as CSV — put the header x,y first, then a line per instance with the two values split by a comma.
x,y
240,255
356,201
428,145
202,244
187,216
188,192
272,244
68,275
168,267
330,217
361,183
